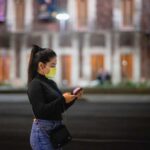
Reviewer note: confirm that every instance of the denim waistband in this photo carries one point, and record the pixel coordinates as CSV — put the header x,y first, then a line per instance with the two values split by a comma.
x,y
47,122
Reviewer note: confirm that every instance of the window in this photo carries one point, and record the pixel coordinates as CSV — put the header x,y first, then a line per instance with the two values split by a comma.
x,y
104,14
127,11
126,39
82,12
45,12
20,7
97,40
5,40
47,9
145,16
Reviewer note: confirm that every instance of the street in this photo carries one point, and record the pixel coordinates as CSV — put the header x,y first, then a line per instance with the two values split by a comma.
x,y
102,125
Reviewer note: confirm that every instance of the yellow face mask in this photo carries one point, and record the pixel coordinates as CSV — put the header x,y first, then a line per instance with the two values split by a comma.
x,y
51,73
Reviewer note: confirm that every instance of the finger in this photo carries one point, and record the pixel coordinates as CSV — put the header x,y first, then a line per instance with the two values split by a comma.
x,y
79,94
72,95
75,96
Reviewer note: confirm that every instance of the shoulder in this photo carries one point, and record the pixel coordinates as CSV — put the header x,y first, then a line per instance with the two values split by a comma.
x,y
34,87
34,83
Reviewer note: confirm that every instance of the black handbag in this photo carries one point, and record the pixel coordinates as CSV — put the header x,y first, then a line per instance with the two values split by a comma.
x,y
60,136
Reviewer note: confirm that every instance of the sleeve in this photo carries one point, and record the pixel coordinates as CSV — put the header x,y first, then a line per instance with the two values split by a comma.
x,y
67,105
40,108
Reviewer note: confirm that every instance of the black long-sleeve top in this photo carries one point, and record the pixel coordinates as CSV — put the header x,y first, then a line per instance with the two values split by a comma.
x,y
46,99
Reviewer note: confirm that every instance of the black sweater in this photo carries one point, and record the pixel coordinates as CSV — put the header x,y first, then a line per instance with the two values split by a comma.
x,y
46,99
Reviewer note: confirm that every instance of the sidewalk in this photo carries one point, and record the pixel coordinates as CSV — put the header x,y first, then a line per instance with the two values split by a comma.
x,y
118,98
95,90
102,98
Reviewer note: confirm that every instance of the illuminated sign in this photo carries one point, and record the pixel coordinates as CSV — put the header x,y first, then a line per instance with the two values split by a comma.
x,y
2,10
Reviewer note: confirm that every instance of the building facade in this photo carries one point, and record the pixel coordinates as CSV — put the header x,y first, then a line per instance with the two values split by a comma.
x,y
109,34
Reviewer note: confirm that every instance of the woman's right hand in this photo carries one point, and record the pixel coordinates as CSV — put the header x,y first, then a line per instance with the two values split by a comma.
x,y
68,97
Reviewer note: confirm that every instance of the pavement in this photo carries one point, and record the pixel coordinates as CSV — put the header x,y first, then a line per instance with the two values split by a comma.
x,y
130,98
97,122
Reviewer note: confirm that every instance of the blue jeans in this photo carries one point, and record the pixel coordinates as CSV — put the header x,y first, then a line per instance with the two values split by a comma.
x,y
39,138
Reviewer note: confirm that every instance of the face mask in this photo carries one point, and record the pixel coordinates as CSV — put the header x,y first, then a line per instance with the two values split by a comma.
x,y
51,73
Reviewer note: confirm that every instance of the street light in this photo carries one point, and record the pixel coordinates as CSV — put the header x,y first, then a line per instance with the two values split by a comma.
x,y
62,17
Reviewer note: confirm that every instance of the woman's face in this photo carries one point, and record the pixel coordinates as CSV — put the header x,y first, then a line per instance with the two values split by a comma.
x,y
45,68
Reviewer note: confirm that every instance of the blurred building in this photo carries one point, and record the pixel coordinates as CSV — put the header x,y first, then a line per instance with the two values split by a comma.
x,y
109,34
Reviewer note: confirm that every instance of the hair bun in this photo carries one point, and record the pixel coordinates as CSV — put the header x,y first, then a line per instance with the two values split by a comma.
x,y
36,49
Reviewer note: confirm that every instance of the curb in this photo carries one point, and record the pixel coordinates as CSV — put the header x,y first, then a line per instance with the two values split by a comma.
x,y
87,91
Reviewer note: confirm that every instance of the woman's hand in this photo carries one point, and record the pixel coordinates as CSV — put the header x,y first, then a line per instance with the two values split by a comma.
x,y
68,97
79,94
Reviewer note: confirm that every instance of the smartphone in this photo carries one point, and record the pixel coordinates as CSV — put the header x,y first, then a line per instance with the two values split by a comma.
x,y
77,90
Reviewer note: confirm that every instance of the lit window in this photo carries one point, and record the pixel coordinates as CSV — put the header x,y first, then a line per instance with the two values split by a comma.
x,y
82,12
127,11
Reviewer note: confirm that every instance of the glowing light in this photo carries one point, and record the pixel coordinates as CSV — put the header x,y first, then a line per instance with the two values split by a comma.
x,y
62,16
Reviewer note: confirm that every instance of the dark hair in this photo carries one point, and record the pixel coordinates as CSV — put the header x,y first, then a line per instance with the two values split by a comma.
x,y
37,55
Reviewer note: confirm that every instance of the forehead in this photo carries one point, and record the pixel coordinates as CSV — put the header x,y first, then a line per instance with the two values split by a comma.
x,y
52,61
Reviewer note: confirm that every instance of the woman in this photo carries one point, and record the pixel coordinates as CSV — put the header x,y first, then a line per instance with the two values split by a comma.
x,y
47,101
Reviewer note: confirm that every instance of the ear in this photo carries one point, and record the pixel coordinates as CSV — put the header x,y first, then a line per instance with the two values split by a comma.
x,y
40,65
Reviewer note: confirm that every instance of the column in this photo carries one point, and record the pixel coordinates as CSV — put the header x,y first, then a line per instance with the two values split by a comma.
x,y
28,14
137,14
23,62
117,15
137,59
72,10
10,18
107,60
55,46
86,59
92,14
75,62
116,68
13,59
45,40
